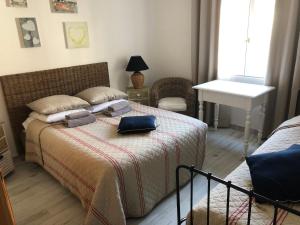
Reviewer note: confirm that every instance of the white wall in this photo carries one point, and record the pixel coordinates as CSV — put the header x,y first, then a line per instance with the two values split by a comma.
x,y
173,46
171,38
116,29
163,32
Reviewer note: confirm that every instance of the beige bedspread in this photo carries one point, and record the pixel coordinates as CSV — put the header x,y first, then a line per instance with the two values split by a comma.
x,y
262,214
118,176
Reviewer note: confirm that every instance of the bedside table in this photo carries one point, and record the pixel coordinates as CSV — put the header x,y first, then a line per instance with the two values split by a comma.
x,y
141,95
6,162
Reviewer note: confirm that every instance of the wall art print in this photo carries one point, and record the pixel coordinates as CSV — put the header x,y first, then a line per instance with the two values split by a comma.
x,y
16,3
28,32
76,34
64,6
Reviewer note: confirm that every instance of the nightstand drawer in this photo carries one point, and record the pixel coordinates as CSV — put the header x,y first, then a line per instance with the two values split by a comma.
x,y
138,94
6,163
142,101
3,144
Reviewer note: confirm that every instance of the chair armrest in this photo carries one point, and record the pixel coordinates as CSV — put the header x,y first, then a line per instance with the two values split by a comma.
x,y
154,96
191,101
190,92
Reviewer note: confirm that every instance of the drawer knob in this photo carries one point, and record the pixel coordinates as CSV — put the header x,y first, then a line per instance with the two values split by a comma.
x,y
138,94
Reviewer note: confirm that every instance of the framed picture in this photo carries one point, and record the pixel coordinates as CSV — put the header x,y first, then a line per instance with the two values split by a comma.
x,y
16,3
76,34
64,6
28,32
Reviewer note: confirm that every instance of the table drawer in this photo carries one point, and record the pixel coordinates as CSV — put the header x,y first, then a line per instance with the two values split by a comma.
x,y
6,163
240,102
3,144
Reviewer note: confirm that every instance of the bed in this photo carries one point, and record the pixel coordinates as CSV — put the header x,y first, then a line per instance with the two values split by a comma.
x,y
115,176
283,137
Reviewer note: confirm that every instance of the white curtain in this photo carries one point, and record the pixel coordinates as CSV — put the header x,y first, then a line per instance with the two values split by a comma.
x,y
284,63
208,20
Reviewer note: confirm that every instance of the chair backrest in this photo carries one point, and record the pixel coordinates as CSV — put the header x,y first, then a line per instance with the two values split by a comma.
x,y
6,213
172,87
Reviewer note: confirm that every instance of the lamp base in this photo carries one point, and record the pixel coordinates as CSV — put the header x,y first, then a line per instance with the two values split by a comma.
x,y
137,80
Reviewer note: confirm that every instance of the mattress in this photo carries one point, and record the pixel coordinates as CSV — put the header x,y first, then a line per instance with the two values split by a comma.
x,y
118,176
287,134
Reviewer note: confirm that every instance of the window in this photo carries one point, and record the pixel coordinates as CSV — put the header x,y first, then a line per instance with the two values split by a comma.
x,y
245,34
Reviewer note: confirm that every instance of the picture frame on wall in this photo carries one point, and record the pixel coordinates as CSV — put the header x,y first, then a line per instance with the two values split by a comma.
x,y
76,34
16,3
64,6
28,32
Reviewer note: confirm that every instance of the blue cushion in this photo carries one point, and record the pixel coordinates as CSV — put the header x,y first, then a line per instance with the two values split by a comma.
x,y
276,175
137,124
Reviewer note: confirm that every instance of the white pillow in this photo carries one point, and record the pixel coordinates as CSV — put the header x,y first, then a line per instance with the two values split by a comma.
x,y
174,104
57,103
104,106
101,94
52,118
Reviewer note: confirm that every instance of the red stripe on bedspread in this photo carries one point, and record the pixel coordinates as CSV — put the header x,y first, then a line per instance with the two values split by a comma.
x,y
58,174
240,214
158,114
198,143
114,163
166,157
163,132
244,208
154,111
177,147
237,212
284,127
69,170
134,160
167,166
98,215
174,136
281,218
284,217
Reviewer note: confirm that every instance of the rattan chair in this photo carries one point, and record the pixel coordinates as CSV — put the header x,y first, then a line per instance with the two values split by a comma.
x,y
175,87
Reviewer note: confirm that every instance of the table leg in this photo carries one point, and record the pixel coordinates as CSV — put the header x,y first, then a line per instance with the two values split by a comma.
x,y
247,132
262,114
216,119
201,110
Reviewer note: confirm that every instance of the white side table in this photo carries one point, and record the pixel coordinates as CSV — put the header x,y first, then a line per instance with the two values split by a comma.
x,y
235,94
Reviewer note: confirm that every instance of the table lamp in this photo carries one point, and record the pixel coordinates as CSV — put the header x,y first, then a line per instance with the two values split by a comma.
x,y
137,64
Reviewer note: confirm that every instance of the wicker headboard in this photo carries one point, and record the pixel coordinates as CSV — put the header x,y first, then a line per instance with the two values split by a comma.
x,y
24,88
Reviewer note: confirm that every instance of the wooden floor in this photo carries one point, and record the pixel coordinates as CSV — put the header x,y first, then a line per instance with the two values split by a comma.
x,y
38,199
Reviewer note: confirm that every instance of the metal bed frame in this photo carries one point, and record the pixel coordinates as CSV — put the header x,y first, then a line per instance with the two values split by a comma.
x,y
191,169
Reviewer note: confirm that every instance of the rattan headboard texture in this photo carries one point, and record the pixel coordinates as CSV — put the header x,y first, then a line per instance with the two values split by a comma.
x,y
21,89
